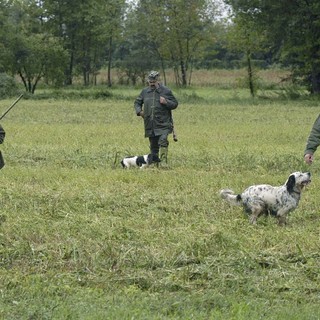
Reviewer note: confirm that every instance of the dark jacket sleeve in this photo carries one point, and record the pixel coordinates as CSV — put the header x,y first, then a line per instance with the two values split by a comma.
x,y
314,138
139,102
172,102
2,134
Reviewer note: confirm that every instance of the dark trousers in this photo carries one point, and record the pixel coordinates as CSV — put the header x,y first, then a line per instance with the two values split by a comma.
x,y
158,141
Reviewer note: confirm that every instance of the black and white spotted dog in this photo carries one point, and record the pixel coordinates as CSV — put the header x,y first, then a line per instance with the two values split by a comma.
x,y
137,161
265,199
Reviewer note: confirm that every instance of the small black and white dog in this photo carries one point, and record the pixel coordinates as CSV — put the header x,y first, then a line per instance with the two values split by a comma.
x,y
137,161
265,199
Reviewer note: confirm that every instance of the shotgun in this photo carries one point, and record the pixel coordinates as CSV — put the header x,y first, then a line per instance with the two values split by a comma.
x,y
3,115
174,133
14,103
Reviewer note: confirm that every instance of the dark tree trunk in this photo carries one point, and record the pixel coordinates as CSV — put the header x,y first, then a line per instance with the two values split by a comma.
x,y
183,74
250,75
109,81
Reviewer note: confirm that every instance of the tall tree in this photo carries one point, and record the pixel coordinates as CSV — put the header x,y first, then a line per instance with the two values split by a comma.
x,y
176,31
245,36
293,28
114,13
31,52
88,29
5,35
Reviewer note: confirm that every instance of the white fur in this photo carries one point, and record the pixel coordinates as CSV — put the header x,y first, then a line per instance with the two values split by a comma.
x,y
266,199
137,161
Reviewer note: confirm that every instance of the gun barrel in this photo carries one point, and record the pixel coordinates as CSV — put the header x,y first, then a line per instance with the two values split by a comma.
x,y
13,104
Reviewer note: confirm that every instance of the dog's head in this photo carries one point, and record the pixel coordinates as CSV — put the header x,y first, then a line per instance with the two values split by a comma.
x,y
144,160
297,181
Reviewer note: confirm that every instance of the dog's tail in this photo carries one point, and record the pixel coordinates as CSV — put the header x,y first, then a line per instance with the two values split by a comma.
x,y
231,197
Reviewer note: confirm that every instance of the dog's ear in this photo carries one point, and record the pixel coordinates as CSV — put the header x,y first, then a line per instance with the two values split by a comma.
x,y
291,183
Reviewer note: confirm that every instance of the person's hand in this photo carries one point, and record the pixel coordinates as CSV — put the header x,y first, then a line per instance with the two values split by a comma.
x,y
141,114
163,100
308,158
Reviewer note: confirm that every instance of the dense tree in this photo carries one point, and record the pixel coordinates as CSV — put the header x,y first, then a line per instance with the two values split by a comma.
x,y
29,51
245,36
88,29
56,40
174,33
293,29
114,15
10,16
39,57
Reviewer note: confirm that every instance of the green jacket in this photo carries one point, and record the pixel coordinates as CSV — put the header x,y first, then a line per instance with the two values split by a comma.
x,y
157,116
314,138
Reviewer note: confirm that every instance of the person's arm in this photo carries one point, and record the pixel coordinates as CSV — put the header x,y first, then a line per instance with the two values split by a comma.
x,y
2,134
168,99
138,104
313,141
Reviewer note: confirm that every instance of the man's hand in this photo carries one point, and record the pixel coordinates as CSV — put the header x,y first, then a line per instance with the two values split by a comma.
x,y
141,114
163,100
308,158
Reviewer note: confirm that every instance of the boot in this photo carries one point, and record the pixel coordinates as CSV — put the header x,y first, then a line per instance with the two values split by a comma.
x,y
164,154
155,158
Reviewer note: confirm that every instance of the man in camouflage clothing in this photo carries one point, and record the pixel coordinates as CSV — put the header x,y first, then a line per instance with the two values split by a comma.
x,y
154,105
313,142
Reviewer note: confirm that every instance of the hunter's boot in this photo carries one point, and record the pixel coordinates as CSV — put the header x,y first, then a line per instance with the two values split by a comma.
x,y
164,155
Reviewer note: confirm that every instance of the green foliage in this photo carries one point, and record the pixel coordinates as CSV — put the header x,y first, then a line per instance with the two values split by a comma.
x,y
8,86
40,57
81,238
169,34
291,30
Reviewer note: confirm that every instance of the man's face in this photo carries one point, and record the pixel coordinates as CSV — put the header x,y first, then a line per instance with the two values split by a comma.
x,y
153,83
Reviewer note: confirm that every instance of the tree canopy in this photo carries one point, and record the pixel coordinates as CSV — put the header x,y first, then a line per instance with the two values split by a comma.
x,y
292,30
57,41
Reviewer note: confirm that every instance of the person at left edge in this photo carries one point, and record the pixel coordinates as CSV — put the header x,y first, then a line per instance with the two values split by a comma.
x,y
154,105
2,136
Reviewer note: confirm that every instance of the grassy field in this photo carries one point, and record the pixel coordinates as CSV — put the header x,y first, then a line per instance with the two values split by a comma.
x,y
81,238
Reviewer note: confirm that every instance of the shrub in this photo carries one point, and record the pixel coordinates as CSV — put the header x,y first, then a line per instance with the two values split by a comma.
x,y
8,86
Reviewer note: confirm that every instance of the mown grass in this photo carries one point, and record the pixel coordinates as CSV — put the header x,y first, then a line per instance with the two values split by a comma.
x,y
81,238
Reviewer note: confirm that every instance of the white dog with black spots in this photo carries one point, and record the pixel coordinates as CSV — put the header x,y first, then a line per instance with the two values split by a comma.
x,y
266,199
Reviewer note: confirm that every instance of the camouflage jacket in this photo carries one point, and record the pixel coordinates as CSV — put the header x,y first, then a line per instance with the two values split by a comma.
x,y
314,138
157,116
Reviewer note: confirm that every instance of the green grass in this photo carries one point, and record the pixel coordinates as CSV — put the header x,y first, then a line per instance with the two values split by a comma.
x,y
81,238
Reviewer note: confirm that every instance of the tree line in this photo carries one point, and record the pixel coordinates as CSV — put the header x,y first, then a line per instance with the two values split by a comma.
x,y
58,41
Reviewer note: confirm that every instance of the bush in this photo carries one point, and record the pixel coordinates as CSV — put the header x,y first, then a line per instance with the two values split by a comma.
x,y
8,86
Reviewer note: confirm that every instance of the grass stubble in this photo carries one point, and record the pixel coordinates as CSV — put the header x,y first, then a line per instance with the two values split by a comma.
x,y
83,239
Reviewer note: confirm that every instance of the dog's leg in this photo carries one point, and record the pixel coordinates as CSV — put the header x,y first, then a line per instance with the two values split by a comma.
x,y
282,217
282,221
256,211
253,218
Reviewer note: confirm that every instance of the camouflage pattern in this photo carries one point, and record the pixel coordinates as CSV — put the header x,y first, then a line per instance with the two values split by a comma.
x,y
153,75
